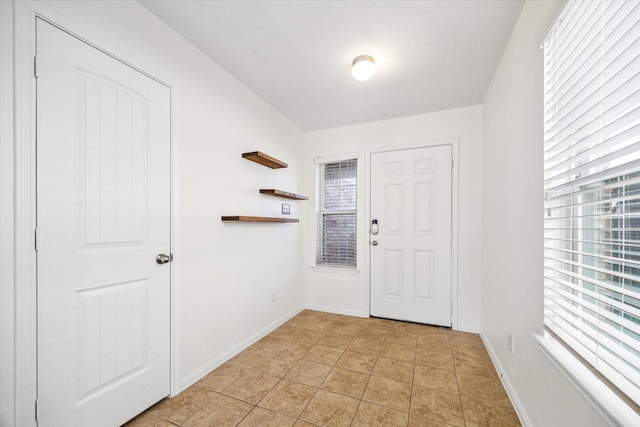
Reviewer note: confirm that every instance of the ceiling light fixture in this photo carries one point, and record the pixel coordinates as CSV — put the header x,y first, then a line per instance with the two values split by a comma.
x,y
364,67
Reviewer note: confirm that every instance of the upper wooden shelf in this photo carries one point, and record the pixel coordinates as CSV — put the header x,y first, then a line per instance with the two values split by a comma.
x,y
283,194
265,160
258,219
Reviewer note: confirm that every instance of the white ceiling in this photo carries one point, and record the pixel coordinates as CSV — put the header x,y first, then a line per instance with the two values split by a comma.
x,y
431,55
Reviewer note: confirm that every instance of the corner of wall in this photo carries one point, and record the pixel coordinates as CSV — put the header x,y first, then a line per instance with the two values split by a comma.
x,y
218,360
511,392
512,230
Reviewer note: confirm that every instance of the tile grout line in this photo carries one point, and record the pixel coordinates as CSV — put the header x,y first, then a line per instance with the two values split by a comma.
x,y
365,387
314,393
298,418
455,373
413,381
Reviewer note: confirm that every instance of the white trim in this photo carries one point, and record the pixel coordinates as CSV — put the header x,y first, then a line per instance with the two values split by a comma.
x,y
321,211
174,342
336,310
7,226
553,17
25,381
212,364
607,403
511,392
86,35
335,158
474,329
454,143
335,270
25,220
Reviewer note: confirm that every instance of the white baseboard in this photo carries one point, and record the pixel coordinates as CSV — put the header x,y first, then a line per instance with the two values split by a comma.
x,y
336,310
468,328
522,414
194,376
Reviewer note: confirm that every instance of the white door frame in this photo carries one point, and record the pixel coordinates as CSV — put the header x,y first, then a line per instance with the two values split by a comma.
x,y
25,333
453,142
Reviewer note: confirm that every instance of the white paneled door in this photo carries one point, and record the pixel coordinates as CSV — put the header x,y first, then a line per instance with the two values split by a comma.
x,y
411,252
103,214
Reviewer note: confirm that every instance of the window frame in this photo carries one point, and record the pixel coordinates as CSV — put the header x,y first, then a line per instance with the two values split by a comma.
x,y
320,212
585,223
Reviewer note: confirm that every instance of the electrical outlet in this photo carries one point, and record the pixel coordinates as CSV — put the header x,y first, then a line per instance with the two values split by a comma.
x,y
510,342
273,296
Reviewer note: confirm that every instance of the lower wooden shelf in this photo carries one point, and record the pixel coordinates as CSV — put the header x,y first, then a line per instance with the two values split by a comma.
x,y
258,219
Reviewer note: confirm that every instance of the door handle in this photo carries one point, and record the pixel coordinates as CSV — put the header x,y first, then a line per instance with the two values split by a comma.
x,y
374,243
163,259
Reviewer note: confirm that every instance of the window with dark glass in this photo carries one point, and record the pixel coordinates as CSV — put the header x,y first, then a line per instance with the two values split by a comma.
x,y
336,191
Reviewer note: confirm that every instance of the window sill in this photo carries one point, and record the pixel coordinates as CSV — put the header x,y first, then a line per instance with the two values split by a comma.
x,y
603,399
335,270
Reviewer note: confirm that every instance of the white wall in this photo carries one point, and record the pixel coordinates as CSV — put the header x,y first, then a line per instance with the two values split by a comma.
x,y
350,293
223,274
512,229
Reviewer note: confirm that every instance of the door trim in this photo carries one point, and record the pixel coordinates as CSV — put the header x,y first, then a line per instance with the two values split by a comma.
x,y
25,303
454,143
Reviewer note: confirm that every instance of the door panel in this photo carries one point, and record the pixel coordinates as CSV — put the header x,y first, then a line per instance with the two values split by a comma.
x,y
111,335
423,264
411,261
115,173
103,184
393,265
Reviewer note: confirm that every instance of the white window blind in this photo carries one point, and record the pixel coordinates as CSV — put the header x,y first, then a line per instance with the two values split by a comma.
x,y
592,187
336,190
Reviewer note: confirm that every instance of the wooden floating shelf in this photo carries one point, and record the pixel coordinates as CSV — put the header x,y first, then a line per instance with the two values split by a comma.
x,y
265,160
283,194
258,219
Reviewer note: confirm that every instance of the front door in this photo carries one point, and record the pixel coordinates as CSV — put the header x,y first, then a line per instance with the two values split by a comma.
x,y
103,215
411,252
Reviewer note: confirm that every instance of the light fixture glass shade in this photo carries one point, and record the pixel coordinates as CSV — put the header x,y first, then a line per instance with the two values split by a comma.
x,y
364,67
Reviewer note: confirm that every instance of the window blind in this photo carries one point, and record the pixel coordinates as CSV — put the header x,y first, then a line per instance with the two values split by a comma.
x,y
592,187
336,191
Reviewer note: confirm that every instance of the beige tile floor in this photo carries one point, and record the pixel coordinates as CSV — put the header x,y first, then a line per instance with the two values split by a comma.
x,y
322,369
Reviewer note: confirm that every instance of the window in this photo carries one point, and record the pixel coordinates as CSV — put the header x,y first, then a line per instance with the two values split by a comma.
x,y
336,213
592,187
